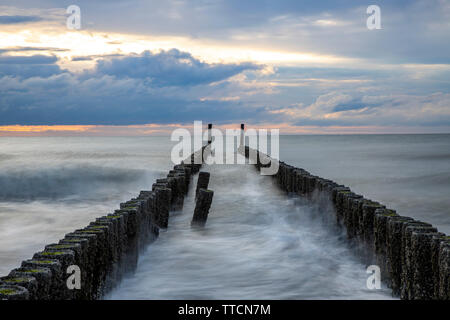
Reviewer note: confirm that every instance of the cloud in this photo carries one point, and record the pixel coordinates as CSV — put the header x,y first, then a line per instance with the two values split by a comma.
x,y
36,59
85,58
413,31
97,57
29,66
18,19
67,99
174,87
337,109
397,76
170,68
28,49
165,87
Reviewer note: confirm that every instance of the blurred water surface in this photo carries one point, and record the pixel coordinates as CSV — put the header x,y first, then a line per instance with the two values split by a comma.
x,y
258,243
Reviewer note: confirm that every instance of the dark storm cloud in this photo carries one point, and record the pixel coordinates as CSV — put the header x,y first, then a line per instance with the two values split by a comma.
x,y
170,68
136,89
29,66
18,19
64,99
29,70
36,59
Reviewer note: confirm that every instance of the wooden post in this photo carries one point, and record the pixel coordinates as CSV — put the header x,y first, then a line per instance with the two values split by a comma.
x,y
209,133
163,197
202,206
202,182
242,135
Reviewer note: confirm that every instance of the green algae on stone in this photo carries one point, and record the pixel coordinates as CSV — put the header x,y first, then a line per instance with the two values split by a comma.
x,y
121,211
7,292
389,213
43,261
61,246
372,203
53,253
97,227
90,230
15,280
128,208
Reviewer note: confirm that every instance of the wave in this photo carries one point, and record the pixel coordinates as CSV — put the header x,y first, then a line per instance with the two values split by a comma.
x,y
4,156
74,181
428,181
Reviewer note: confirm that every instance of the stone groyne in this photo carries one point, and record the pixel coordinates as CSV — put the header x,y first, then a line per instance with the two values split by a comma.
x,y
413,257
105,250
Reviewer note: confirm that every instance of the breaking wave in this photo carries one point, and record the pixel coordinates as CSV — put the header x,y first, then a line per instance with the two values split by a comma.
x,y
21,184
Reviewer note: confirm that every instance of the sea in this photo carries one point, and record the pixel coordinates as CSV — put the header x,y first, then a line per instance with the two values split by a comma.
x,y
258,243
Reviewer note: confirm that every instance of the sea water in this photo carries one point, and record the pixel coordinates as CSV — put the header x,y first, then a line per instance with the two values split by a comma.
x,y
258,242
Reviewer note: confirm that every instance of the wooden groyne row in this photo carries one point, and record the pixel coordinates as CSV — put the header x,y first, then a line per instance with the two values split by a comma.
x,y
106,249
413,257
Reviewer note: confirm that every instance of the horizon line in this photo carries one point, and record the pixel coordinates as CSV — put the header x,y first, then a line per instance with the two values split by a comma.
x,y
155,129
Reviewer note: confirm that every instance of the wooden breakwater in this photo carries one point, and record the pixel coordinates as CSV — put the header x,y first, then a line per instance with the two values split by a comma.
x,y
106,249
413,257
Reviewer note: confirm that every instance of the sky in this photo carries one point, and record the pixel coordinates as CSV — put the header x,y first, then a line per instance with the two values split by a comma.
x,y
147,66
